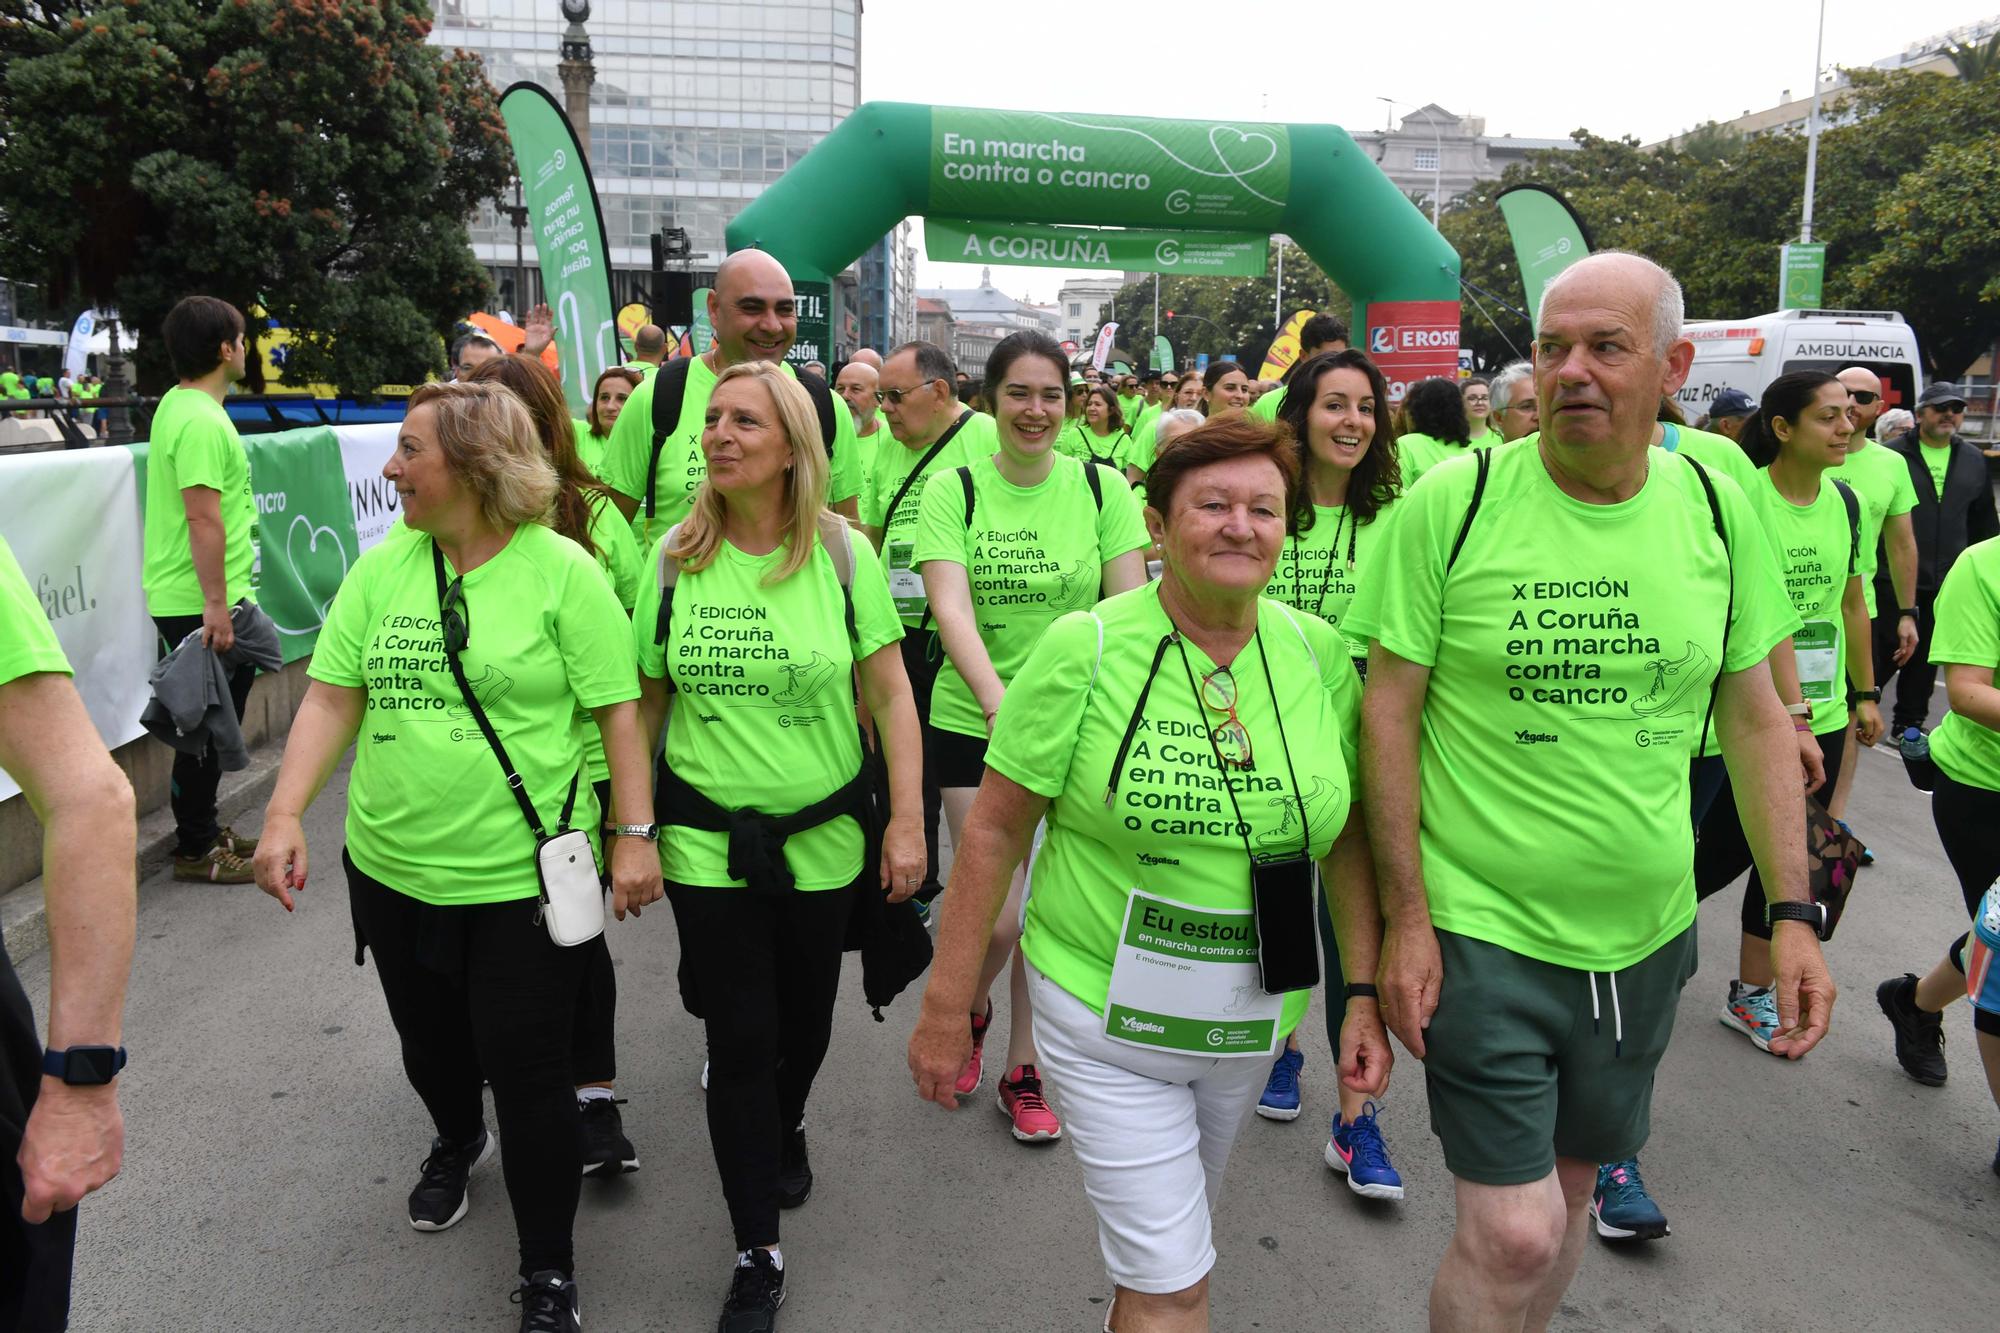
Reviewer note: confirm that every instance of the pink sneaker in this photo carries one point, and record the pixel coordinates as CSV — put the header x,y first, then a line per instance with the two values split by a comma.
x,y
974,1073
1022,1102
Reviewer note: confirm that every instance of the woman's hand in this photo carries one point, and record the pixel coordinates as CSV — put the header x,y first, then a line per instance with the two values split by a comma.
x,y
1868,722
939,1048
1365,1056
280,863
904,861
635,875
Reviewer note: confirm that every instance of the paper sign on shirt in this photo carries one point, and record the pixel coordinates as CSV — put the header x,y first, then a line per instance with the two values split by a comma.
x,y
1815,645
1185,979
906,585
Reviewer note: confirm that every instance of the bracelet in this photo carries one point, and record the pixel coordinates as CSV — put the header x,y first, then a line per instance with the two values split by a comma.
x,y
1909,611
1800,709
1802,726
1362,990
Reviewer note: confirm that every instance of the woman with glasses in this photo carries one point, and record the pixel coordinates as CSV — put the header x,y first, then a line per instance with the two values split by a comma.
x,y
1191,745
1224,388
1006,544
756,614
1477,394
440,859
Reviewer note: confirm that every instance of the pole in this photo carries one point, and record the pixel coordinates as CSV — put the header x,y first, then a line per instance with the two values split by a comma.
x,y
1812,131
1156,303
1278,302
520,217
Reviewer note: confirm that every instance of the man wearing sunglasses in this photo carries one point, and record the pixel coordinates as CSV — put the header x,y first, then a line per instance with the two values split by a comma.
x,y
1954,510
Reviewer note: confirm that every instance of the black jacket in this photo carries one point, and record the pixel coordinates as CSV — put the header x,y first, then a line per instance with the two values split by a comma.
x,y
1946,525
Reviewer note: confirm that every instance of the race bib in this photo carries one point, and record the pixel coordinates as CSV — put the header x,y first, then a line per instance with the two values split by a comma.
x,y
1819,667
1185,979
906,585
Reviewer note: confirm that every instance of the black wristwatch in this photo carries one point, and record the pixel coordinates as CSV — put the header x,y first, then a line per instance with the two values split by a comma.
x,y
1909,611
84,1066
1362,990
1813,914
1857,696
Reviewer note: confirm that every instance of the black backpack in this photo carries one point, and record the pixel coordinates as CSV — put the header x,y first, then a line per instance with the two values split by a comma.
x,y
670,384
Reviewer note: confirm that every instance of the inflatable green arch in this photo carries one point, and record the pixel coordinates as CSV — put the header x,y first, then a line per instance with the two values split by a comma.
x,y
891,160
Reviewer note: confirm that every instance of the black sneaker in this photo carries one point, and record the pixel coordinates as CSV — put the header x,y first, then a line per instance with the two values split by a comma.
x,y
756,1290
439,1200
606,1150
795,1172
1919,1036
548,1303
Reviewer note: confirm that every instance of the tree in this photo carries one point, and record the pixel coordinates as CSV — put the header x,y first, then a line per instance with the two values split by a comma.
x,y
1941,225
312,158
1976,63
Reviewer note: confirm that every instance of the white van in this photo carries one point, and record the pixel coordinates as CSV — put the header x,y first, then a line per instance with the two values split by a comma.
x,y
1748,354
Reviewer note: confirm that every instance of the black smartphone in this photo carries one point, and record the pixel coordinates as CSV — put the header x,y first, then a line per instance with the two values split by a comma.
x,y
1281,898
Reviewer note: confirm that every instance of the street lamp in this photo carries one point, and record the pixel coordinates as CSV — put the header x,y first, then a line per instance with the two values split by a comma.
x,y
1437,163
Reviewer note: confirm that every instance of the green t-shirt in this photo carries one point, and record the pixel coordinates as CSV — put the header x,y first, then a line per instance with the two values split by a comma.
x,y
1486,439
10,384
1032,553
1880,480
1572,653
1169,829
428,810
618,559
1318,570
1080,442
1937,460
27,643
589,447
866,448
682,467
1816,542
195,444
1419,453
1267,406
763,715
1129,408
894,462
1140,446
1968,633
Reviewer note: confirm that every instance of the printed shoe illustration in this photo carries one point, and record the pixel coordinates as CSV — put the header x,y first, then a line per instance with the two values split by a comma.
x,y
1672,680
1068,584
492,686
807,680
1292,832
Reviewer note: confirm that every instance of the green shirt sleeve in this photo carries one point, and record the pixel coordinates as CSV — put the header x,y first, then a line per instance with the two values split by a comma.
x,y
941,530
336,657
1041,715
617,549
631,445
595,641
845,481
1903,497
652,657
1968,623
876,624
203,452
1120,525
1764,617
27,642
1400,603
1267,407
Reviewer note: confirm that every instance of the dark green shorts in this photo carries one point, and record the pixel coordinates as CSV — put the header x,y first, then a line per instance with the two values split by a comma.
x,y
1520,1071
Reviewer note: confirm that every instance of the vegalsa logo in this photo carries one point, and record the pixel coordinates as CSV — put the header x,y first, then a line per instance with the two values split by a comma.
x,y
1135,1024
1168,251
1390,339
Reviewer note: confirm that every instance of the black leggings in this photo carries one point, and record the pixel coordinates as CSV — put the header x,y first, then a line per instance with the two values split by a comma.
x,y
480,991
593,1045
196,777
1721,851
1910,702
764,969
922,659
1968,824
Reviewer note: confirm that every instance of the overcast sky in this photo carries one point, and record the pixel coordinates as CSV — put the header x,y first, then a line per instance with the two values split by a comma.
x,y
1612,67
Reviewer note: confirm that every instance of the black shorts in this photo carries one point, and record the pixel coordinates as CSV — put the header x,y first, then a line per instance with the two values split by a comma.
x,y
34,1259
958,760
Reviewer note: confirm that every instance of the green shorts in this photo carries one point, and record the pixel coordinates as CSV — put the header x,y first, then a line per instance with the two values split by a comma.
x,y
1521,1067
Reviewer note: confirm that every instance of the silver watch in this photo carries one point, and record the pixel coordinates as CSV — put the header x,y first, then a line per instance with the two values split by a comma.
x,y
650,832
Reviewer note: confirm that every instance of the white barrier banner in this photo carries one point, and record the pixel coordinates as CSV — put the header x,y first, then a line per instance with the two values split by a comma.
x,y
72,519
363,451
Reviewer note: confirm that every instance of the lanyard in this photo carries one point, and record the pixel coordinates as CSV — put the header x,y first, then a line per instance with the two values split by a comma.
x,y
1326,573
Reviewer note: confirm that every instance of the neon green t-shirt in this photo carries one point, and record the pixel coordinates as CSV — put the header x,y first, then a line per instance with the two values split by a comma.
x,y
1937,459
763,715
894,462
27,643
1486,439
1319,569
1031,553
1572,653
682,467
1169,828
1267,406
1140,446
10,384
428,810
589,448
195,444
1968,633
1815,539
1419,453
1080,442
1880,480
618,559
866,448
1129,408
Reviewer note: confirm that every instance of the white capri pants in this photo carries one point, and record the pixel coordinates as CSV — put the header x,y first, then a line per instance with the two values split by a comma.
x,y
1153,1130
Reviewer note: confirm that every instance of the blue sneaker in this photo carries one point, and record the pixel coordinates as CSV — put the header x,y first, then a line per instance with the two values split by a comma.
x,y
1355,1149
1752,1011
1281,1094
1620,1206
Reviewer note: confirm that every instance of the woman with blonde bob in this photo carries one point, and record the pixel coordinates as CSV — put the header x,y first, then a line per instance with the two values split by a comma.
x,y
440,859
754,615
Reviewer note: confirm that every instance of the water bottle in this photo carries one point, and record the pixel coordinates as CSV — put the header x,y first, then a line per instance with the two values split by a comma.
x,y
1917,762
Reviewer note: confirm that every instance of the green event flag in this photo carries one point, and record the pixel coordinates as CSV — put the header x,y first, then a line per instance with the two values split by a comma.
x,y
1163,352
1803,276
1548,237
569,237
1047,245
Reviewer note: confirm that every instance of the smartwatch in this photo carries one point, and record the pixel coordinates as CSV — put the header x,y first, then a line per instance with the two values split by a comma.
x,y
1362,990
1857,696
84,1066
1909,611
1813,914
650,832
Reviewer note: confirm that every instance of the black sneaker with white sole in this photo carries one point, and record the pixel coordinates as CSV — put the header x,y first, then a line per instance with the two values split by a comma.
x,y
756,1290
795,1173
440,1200
606,1150
548,1303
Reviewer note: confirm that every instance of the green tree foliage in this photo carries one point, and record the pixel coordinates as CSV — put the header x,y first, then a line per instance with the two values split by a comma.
x,y
310,157
1224,317
1976,63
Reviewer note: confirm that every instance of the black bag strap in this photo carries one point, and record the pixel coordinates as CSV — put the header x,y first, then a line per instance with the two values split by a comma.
x,y
1096,482
1853,523
514,782
1729,613
930,455
965,481
1485,457
829,424
670,384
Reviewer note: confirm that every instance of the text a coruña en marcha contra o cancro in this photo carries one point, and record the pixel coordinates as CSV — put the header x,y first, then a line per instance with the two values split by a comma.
x,y
1573,643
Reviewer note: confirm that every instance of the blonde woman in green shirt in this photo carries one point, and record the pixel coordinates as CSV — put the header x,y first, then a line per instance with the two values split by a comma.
x,y
1006,545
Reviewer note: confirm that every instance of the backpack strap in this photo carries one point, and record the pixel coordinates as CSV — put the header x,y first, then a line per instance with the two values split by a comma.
x,y
1853,524
838,537
1485,457
829,423
1729,613
965,481
1096,482
670,574
670,384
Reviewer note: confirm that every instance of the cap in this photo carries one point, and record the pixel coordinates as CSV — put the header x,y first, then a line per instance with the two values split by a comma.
x,y
1942,392
1731,403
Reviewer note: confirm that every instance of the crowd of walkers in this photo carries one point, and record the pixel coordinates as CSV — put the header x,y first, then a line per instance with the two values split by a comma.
x,y
1209,684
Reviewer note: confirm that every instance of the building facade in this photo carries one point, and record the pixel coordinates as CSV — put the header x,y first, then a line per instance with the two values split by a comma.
x,y
987,304
1082,305
1437,152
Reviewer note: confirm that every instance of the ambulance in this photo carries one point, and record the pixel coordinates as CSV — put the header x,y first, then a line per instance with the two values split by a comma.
x,y
1748,354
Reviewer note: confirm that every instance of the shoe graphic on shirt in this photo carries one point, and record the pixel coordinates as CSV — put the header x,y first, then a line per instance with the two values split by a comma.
x,y
1068,584
1673,679
1292,832
807,679
492,686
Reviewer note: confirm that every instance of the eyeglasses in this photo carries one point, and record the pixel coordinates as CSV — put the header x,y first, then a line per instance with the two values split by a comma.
x,y
895,397
1863,397
1955,409
455,617
1232,742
